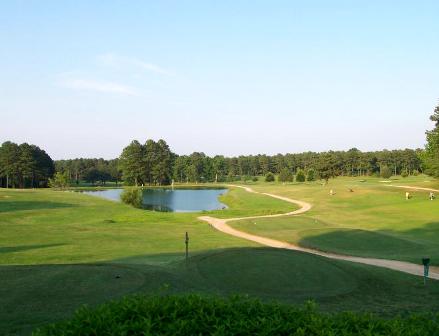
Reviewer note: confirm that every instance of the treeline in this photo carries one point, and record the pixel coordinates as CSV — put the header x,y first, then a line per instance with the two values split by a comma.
x,y
90,170
198,167
154,163
24,166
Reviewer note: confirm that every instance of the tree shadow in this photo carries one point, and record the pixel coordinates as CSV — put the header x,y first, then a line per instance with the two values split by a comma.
x,y
33,295
409,245
12,249
10,206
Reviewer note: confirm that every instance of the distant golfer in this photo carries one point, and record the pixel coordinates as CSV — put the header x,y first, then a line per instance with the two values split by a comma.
x,y
431,196
331,192
407,195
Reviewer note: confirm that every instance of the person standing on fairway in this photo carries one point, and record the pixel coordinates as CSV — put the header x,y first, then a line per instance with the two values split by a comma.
x,y
431,196
407,195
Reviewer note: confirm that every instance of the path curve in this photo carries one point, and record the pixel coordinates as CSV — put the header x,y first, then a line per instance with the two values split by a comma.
x,y
221,225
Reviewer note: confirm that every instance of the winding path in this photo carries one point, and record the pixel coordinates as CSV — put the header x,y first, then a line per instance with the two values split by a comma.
x,y
221,225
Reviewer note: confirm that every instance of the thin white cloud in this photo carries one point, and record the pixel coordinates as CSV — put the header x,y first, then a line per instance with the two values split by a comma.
x,y
99,86
114,60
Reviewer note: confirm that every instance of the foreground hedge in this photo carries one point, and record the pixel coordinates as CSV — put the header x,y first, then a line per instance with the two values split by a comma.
x,y
197,315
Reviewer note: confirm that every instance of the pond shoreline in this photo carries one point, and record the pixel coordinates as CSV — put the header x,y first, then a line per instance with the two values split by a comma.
x,y
168,199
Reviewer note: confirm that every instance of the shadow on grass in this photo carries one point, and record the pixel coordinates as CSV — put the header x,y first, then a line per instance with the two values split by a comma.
x,y
411,245
12,249
33,295
10,206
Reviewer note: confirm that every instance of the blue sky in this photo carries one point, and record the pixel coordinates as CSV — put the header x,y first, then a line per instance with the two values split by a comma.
x,y
84,78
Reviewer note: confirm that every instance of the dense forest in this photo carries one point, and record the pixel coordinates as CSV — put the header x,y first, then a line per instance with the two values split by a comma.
x,y
24,166
153,163
90,170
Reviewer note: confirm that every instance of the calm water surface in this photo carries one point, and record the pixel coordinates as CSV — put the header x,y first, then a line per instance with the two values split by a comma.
x,y
177,200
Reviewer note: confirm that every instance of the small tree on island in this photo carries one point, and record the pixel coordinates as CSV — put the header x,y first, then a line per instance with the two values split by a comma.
x,y
59,181
300,176
285,175
385,172
269,177
132,196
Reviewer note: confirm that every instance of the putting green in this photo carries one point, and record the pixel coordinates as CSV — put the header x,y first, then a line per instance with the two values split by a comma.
x,y
271,273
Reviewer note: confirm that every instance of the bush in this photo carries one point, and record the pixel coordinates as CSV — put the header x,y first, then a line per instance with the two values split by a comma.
x,y
300,176
246,178
385,172
233,178
269,177
255,179
416,172
285,175
198,315
132,196
404,173
311,175
59,181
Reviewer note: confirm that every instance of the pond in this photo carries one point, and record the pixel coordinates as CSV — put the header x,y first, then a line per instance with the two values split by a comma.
x,y
174,200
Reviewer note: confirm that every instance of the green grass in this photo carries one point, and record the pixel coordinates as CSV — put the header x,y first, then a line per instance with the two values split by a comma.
x,y
59,250
244,203
66,227
374,221
32,296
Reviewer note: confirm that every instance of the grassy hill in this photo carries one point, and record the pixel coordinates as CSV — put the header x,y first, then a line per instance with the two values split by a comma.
x,y
59,250
375,220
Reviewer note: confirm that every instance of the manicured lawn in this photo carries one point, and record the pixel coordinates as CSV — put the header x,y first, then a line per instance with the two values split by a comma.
x,y
59,250
374,220
45,226
35,295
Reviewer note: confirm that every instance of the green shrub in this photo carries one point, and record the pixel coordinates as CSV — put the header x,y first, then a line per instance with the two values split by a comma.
x,y
246,178
198,315
285,175
416,172
233,178
404,173
311,175
269,177
385,172
255,179
132,196
300,176
59,181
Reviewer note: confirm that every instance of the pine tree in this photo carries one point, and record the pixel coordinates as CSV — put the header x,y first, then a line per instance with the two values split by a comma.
x,y
431,155
131,163
285,175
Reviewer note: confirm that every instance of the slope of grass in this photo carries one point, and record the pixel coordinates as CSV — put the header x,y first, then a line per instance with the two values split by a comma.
x,y
59,250
374,220
34,295
44,226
